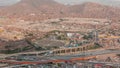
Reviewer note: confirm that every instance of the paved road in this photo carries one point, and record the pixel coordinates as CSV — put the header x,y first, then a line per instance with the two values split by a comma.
x,y
87,53
81,54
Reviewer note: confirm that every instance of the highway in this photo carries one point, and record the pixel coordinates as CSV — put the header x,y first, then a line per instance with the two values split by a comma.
x,y
75,55
79,55
72,57
86,54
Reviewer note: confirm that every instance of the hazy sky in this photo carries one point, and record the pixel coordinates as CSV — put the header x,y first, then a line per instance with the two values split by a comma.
x,y
106,2
8,2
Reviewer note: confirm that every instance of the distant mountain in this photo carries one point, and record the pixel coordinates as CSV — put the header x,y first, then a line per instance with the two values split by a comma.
x,y
95,10
115,3
26,6
44,9
27,9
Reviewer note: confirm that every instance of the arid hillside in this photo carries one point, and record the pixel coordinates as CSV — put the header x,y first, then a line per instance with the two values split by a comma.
x,y
26,25
46,9
30,9
95,10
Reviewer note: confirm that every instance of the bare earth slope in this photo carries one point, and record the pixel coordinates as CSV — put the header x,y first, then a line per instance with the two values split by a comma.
x,y
44,9
95,10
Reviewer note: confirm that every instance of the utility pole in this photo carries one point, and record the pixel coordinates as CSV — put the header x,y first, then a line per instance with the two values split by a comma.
x,y
96,33
74,66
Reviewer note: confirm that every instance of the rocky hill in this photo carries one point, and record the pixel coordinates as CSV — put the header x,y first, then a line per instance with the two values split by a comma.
x,y
44,9
95,10
31,9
